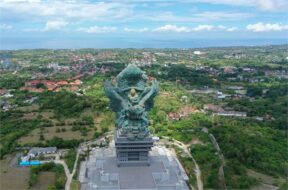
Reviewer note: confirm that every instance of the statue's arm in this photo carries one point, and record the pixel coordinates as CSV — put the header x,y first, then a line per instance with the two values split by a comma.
x,y
113,94
153,91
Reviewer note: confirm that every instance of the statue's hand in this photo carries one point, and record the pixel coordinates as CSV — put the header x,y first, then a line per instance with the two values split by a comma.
x,y
155,86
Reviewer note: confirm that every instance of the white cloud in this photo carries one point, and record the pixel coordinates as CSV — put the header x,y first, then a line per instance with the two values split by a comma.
x,y
262,27
136,30
73,11
172,28
264,5
21,1
232,29
203,28
168,16
5,27
221,27
98,29
199,28
221,16
67,10
55,25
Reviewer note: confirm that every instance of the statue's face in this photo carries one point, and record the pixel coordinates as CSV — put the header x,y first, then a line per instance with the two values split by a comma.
x,y
133,92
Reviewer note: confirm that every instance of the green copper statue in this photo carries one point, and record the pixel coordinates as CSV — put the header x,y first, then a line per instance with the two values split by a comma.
x,y
131,98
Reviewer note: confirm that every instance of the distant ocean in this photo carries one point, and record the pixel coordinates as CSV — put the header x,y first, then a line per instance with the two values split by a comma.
x,y
75,43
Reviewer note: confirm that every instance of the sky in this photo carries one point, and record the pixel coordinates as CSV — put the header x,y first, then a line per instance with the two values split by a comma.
x,y
30,24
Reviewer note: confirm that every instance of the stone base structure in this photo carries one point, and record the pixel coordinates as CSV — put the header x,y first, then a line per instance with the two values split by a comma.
x,y
100,172
132,152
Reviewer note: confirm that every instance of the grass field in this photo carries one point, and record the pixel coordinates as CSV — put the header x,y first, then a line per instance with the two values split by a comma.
x,y
50,132
13,178
31,108
45,179
266,181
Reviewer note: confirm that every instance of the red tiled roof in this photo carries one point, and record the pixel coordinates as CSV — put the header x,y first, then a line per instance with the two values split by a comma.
x,y
32,89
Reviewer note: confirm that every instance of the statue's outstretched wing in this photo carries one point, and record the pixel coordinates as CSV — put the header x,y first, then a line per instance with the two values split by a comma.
x,y
117,103
147,100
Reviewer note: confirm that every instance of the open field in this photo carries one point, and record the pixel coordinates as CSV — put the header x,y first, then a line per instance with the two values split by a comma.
x,y
68,134
266,181
13,178
50,132
45,179
31,108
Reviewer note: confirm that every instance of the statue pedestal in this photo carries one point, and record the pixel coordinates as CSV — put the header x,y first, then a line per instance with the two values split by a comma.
x,y
100,172
132,152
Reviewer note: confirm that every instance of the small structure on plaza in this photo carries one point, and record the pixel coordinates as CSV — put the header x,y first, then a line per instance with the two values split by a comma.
x,y
131,97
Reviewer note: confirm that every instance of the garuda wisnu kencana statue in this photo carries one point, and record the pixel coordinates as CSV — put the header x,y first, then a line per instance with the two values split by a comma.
x,y
131,97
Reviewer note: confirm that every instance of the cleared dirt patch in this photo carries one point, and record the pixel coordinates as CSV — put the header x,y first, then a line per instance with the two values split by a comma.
x,y
33,107
13,178
45,179
266,182
269,180
50,132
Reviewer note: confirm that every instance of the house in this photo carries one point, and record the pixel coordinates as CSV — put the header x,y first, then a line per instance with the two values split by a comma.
x,y
63,82
232,113
31,100
247,69
198,52
36,151
33,82
229,70
235,87
7,95
155,139
173,116
7,106
184,99
185,111
3,91
32,89
213,108
203,91
76,82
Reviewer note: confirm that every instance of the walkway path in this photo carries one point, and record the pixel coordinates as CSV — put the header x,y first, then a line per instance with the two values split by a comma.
x,y
69,179
185,148
63,163
197,170
69,175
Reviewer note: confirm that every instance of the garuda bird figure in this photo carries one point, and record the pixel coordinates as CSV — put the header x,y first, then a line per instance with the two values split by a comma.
x,y
131,97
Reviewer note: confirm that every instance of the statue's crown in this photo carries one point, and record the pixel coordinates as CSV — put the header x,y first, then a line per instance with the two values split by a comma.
x,y
131,77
